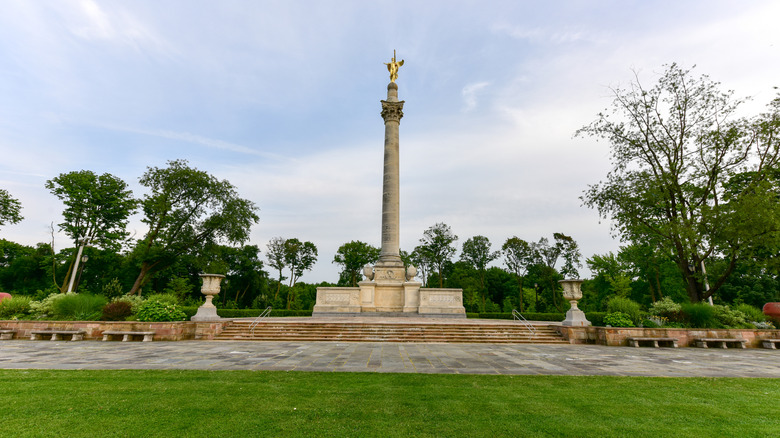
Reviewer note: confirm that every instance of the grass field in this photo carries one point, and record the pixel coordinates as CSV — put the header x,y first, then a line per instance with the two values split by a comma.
x,y
263,403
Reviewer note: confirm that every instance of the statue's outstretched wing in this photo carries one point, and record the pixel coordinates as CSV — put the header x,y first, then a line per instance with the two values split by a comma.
x,y
401,62
389,67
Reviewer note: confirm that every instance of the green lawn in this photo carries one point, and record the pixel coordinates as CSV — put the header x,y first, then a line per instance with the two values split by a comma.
x,y
262,403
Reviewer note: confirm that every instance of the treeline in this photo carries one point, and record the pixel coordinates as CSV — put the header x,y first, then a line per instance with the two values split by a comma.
x,y
254,281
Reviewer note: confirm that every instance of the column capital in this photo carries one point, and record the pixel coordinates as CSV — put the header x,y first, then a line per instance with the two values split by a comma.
x,y
392,111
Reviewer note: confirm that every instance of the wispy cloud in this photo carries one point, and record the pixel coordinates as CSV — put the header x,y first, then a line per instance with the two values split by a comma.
x,y
203,141
540,34
470,92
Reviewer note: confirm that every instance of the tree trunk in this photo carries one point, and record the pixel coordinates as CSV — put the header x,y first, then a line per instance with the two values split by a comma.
x,y
658,283
693,287
555,301
520,282
64,286
139,281
652,291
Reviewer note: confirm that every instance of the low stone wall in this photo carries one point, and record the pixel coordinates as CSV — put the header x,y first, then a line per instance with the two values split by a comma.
x,y
164,331
616,336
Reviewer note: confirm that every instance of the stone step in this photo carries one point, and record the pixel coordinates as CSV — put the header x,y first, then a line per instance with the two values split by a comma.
x,y
389,332
400,340
316,331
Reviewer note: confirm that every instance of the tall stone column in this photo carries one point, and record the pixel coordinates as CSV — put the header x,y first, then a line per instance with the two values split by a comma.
x,y
392,111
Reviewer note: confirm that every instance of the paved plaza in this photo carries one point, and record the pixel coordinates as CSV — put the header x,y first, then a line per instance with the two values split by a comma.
x,y
577,360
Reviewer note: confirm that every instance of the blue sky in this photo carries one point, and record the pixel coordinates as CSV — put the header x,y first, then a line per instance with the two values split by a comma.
x,y
282,99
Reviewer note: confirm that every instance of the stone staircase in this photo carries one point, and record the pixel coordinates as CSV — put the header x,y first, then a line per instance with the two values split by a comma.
x,y
285,329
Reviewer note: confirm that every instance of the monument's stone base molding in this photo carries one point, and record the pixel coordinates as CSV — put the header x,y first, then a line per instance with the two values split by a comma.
x,y
438,301
373,298
337,300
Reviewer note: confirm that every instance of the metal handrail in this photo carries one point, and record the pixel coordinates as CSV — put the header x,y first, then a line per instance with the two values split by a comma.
x,y
257,320
519,317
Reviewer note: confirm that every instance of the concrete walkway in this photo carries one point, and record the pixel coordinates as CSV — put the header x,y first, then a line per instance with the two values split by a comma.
x,y
391,358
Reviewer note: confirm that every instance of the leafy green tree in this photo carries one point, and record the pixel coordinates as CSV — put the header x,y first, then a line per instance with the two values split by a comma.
x,y
421,260
438,245
97,208
564,248
518,256
187,209
299,257
24,269
476,252
276,260
654,270
246,278
688,174
10,209
352,256
179,287
462,275
614,272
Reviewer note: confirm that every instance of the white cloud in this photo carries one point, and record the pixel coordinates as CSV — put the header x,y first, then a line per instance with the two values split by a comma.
x,y
470,92
273,97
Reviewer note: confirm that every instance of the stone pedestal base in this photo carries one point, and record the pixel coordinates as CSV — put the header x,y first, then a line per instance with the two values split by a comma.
x,y
576,318
405,299
206,314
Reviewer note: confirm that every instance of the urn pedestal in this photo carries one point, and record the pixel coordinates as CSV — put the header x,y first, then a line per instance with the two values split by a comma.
x,y
210,288
572,292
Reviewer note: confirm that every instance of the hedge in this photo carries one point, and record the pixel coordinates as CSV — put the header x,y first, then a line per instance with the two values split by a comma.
x,y
596,318
529,316
248,313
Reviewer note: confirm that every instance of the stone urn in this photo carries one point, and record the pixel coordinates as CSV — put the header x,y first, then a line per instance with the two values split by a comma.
x,y
411,272
210,288
772,310
368,272
572,292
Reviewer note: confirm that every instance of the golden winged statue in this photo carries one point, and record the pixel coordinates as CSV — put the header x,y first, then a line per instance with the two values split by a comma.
x,y
393,66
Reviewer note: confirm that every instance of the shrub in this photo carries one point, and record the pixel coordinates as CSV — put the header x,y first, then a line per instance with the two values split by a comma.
x,y
178,287
117,311
626,306
667,309
699,315
752,313
163,298
650,323
112,289
45,307
157,311
134,301
78,307
731,318
618,319
15,308
596,318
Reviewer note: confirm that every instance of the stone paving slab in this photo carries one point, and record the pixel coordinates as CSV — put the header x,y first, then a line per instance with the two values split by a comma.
x,y
387,357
